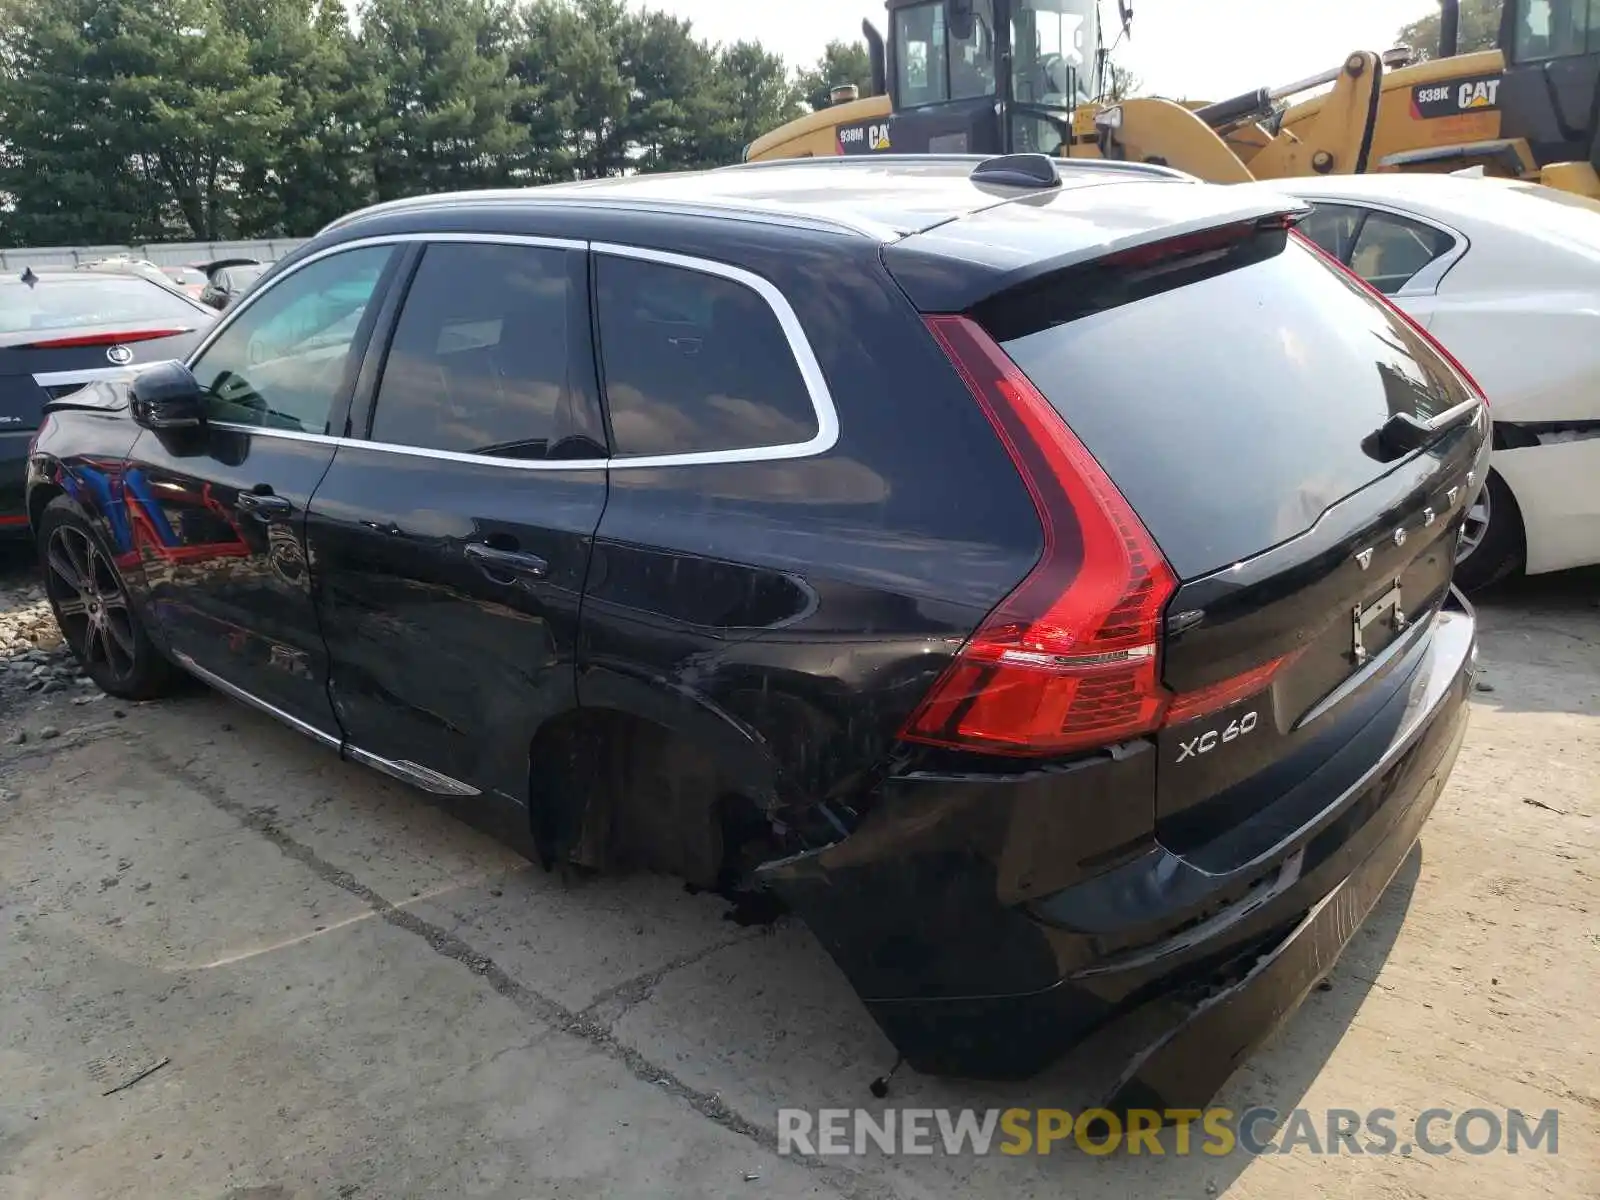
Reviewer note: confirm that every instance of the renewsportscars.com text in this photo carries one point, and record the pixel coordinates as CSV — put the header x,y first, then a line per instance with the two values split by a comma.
x,y
1215,1131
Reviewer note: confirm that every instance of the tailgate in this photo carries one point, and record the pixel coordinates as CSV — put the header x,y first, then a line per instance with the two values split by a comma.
x,y
1303,457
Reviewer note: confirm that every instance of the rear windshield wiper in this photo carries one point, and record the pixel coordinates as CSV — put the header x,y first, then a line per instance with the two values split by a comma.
x,y
1404,433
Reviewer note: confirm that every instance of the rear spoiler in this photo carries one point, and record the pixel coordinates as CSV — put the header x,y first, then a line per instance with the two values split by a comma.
x,y
210,267
941,272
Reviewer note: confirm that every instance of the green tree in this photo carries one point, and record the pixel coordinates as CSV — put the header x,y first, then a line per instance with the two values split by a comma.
x,y
754,94
128,118
440,71
573,98
1480,30
1121,83
193,112
841,62
311,171
675,102
63,169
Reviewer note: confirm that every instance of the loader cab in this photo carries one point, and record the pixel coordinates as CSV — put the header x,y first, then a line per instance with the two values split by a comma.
x,y
984,76
1550,92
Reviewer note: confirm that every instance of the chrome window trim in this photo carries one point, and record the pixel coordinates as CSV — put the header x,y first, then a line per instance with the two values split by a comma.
x,y
387,239
805,358
799,347
1426,281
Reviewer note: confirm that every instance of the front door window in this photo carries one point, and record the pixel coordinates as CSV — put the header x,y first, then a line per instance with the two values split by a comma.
x,y
286,358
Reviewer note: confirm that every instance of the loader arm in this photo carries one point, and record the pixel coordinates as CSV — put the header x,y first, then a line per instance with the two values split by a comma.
x,y
1227,143
1151,130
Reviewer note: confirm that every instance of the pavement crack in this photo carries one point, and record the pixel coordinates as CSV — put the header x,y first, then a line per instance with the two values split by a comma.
x,y
580,1024
615,1002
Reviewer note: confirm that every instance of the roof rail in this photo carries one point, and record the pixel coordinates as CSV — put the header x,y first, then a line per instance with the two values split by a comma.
x,y
1073,164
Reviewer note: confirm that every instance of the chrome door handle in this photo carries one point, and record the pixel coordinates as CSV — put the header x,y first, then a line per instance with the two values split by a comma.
x,y
506,567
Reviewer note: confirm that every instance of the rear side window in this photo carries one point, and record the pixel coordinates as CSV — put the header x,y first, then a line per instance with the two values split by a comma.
x,y
1234,411
481,361
1385,249
695,363
1390,250
1334,228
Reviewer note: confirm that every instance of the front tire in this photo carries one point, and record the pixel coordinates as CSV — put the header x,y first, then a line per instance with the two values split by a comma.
x,y
1492,540
92,606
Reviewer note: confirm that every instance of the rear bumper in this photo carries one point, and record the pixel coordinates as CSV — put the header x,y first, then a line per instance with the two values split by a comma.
x,y
1242,947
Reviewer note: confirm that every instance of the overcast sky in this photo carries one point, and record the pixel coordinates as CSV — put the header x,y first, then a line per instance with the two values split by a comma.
x,y
1200,49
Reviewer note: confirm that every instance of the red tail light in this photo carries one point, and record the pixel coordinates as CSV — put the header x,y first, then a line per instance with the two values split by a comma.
x,y
1069,659
1412,323
104,339
1174,250
1217,696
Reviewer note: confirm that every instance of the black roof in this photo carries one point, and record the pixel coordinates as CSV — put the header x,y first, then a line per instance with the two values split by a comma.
x,y
952,239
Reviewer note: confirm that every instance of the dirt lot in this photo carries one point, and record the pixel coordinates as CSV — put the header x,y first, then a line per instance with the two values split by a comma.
x,y
346,991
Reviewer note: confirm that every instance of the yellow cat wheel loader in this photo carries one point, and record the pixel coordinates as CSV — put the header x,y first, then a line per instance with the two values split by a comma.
x,y
1002,76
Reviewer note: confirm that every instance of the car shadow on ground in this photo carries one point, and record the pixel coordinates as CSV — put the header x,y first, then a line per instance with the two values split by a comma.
x,y
770,1023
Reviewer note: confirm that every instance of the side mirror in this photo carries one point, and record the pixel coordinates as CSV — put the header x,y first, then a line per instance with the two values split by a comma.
x,y
166,396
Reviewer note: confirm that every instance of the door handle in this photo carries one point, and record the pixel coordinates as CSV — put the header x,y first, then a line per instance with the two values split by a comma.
x,y
506,567
264,506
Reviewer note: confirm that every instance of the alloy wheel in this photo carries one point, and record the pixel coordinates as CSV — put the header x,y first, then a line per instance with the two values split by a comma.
x,y
1475,527
90,602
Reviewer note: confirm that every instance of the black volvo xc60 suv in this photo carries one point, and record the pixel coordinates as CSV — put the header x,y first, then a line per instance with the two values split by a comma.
x,y
1036,574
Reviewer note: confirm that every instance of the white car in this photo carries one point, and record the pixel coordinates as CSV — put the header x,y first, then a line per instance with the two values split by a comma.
x,y
1507,276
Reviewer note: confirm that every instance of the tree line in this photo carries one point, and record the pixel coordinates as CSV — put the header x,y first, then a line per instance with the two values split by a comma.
x,y
147,120
1479,29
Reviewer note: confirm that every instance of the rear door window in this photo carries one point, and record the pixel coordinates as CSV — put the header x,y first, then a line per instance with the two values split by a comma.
x,y
483,358
694,362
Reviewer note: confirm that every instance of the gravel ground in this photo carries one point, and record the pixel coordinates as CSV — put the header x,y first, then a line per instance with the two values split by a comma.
x,y
37,672
236,966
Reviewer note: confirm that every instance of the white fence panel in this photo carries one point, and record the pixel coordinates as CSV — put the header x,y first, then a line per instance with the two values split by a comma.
x,y
163,254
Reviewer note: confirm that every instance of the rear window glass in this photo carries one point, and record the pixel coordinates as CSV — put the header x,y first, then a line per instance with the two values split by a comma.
x,y
1233,412
56,303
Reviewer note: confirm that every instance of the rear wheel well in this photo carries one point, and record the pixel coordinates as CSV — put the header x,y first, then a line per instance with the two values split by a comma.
x,y
610,790
38,498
